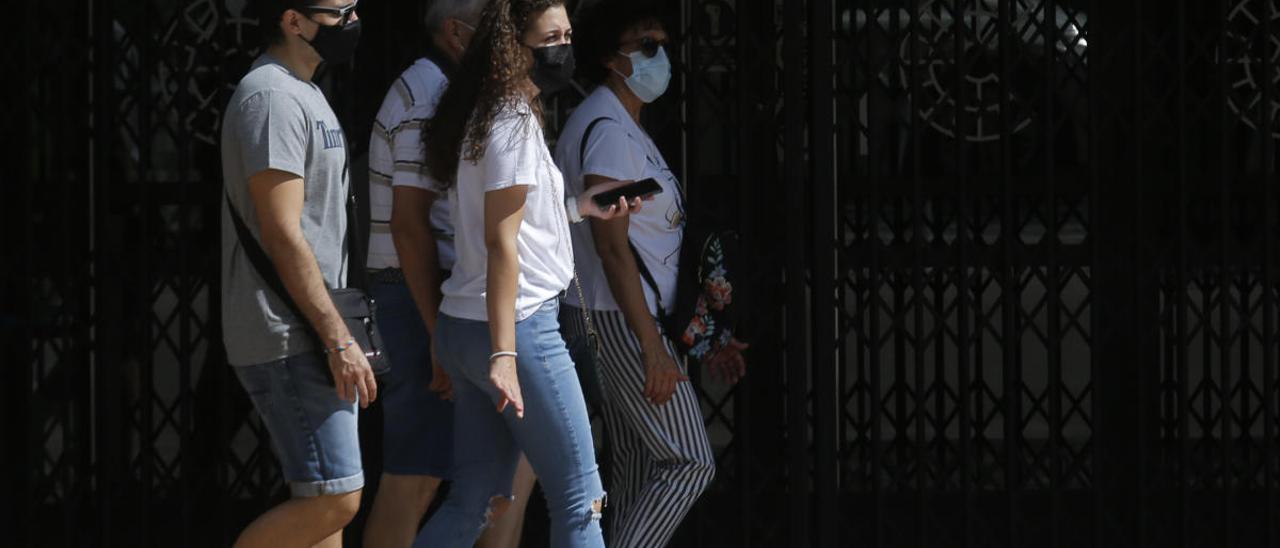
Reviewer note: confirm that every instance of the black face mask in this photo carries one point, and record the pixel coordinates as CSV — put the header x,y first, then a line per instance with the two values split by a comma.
x,y
552,68
336,44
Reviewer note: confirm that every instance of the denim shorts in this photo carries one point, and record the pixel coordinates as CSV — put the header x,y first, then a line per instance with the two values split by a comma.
x,y
417,431
313,431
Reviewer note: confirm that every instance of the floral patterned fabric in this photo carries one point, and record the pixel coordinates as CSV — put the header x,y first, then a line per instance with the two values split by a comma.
x,y
708,327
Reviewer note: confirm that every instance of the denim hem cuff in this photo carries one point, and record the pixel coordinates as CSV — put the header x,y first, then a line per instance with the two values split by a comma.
x,y
340,486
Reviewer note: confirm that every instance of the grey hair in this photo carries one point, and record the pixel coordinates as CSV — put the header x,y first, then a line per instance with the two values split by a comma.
x,y
439,10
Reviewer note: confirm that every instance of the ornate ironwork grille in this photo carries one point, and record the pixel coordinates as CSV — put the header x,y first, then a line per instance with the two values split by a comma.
x,y
1016,265
1042,244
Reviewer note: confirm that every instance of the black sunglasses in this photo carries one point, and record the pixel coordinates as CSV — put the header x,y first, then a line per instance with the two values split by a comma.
x,y
343,13
648,46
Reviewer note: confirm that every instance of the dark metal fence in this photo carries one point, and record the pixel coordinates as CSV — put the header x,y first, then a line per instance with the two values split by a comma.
x,y
1049,225
1017,262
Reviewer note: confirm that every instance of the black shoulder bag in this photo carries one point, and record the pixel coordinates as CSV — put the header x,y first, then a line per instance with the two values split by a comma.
x,y
355,306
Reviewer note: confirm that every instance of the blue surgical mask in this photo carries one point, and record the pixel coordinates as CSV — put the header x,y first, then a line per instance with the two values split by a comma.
x,y
649,75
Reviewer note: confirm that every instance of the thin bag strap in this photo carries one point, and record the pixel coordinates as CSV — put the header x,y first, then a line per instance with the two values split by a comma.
x,y
582,146
586,316
648,278
357,259
644,270
266,269
259,260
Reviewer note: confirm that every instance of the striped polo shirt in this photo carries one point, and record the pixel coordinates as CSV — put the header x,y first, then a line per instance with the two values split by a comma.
x,y
396,159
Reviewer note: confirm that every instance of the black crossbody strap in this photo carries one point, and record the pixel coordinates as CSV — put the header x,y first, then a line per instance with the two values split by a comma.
x,y
357,271
644,270
582,147
648,278
259,260
266,269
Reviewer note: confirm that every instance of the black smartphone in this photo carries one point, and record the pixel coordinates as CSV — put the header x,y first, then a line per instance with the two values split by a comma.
x,y
639,189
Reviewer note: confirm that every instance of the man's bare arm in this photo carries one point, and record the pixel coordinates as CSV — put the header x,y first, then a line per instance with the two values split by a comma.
x,y
417,249
278,198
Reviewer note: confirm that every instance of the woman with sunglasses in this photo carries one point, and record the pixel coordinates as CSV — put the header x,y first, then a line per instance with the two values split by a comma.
x,y
661,460
514,385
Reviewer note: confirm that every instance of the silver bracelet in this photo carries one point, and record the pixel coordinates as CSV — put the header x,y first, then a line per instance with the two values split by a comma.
x,y
571,208
500,354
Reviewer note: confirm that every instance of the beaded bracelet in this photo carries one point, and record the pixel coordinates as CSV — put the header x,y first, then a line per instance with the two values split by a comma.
x,y
337,349
497,355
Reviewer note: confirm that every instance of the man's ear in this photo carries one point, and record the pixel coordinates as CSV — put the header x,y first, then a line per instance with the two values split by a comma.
x,y
289,22
453,29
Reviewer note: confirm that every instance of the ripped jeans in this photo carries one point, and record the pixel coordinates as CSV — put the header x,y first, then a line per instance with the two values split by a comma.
x,y
555,434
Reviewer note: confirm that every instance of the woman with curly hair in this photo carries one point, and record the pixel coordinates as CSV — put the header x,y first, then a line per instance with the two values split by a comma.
x,y
498,332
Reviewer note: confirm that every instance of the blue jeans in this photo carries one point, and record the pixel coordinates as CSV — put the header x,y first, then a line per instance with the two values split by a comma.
x,y
313,431
555,434
417,426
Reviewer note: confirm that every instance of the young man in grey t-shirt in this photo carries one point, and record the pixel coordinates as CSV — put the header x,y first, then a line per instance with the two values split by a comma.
x,y
284,163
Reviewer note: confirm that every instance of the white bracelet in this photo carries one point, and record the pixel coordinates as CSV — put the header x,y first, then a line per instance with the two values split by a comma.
x,y
500,354
571,208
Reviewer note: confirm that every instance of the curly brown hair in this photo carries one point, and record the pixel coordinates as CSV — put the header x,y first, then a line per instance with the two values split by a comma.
x,y
493,70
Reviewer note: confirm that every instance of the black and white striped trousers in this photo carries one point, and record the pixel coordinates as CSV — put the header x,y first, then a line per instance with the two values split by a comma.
x,y
660,457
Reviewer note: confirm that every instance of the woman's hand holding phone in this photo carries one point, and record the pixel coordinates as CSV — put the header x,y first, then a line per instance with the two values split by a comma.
x,y
644,189
587,206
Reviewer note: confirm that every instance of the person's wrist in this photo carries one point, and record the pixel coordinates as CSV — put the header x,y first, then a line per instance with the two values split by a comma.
x,y
335,337
502,363
574,209
652,349
340,347
502,355
332,329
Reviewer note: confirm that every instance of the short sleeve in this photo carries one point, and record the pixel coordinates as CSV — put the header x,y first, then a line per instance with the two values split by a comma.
x,y
409,168
512,152
273,133
613,154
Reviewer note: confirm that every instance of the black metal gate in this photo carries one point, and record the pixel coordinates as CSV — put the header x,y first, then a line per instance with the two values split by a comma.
x,y
1018,260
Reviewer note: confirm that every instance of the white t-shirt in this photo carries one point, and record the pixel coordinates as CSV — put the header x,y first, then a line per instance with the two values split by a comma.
x,y
516,154
395,159
619,149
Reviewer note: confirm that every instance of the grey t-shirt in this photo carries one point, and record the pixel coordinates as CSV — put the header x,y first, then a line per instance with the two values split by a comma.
x,y
276,120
